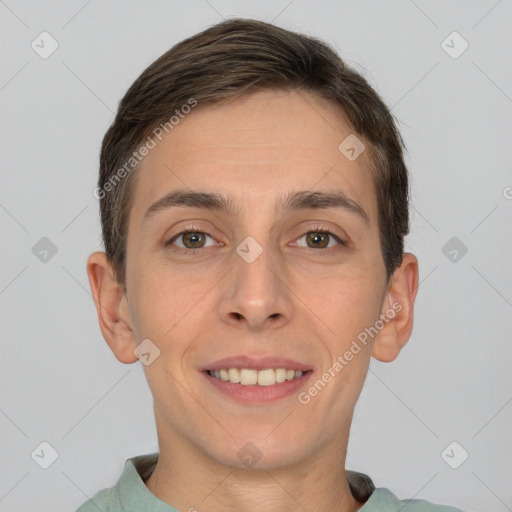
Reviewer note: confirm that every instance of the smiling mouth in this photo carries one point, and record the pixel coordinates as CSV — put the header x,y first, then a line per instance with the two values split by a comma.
x,y
251,377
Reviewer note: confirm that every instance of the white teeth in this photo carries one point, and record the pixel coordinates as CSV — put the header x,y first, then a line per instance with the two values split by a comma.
x,y
280,375
266,377
250,377
234,375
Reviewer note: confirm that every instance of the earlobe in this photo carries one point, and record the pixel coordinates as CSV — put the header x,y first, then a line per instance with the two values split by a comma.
x,y
114,318
398,309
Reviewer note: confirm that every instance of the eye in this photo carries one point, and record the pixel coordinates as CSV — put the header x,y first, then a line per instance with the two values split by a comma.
x,y
191,239
320,239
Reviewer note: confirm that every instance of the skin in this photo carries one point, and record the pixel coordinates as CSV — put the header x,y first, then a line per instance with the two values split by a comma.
x,y
296,300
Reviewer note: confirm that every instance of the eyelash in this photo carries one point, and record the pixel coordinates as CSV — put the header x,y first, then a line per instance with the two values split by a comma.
x,y
315,229
184,232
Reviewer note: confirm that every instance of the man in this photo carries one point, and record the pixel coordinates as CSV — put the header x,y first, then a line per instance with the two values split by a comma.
x,y
254,201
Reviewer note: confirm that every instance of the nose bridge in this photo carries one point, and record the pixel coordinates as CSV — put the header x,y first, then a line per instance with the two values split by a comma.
x,y
255,290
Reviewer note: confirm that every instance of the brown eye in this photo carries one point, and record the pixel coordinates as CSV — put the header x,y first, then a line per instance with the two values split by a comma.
x,y
321,239
196,240
318,240
191,240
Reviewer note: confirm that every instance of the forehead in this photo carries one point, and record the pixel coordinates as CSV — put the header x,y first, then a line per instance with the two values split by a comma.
x,y
254,150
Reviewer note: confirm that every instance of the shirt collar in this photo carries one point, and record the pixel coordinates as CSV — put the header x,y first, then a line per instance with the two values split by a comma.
x,y
137,470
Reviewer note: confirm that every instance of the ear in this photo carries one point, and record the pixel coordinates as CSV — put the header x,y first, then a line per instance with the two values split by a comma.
x,y
398,310
112,307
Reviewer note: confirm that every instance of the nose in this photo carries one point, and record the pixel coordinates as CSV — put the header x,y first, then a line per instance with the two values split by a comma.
x,y
255,292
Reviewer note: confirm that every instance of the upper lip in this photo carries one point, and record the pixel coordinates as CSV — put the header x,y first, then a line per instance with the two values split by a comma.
x,y
255,363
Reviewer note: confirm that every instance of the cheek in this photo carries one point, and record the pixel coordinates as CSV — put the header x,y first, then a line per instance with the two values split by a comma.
x,y
170,311
346,304
163,302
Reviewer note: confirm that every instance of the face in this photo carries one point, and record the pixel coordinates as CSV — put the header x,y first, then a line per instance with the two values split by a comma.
x,y
258,277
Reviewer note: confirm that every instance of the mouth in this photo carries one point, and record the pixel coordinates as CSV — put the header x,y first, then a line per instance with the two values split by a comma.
x,y
256,379
256,386
253,377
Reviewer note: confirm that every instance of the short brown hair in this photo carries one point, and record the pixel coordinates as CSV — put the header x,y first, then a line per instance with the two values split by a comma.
x,y
221,63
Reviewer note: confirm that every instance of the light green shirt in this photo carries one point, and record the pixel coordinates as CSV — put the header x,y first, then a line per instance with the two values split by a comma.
x,y
130,494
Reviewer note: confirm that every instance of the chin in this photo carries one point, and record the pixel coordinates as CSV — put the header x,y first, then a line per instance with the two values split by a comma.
x,y
258,453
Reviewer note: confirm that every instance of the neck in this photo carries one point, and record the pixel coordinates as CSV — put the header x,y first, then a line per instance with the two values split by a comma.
x,y
189,480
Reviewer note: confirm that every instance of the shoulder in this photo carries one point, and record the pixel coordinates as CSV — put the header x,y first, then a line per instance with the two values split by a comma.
x,y
130,490
106,500
383,500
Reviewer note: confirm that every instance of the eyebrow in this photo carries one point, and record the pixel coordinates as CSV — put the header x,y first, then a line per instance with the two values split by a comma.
x,y
302,200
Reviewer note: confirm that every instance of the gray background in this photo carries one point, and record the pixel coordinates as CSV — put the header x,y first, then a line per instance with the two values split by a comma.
x,y
59,381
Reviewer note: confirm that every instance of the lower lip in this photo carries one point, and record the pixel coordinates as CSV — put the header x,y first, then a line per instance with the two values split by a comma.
x,y
259,394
